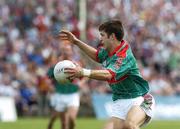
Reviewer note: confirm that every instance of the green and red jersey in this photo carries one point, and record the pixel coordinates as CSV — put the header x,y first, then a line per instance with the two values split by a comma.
x,y
66,88
126,81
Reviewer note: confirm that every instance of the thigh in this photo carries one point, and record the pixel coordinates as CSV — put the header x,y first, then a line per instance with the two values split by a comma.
x,y
63,116
54,113
136,116
72,112
114,123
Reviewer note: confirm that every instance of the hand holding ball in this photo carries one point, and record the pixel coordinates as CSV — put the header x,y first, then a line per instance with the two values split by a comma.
x,y
59,74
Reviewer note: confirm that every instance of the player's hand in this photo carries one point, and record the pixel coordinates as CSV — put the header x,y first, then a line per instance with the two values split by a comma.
x,y
74,72
67,35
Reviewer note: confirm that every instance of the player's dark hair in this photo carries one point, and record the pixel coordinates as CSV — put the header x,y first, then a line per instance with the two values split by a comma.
x,y
113,26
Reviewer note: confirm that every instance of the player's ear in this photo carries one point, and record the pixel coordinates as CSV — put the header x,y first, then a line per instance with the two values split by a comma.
x,y
113,37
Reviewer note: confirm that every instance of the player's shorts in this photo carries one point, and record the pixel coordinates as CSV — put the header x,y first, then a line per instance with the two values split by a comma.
x,y
60,102
121,107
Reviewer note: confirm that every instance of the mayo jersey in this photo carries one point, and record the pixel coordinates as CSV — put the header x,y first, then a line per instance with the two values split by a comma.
x,y
126,81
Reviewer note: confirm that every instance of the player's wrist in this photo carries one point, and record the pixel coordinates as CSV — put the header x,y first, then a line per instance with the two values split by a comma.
x,y
76,41
86,72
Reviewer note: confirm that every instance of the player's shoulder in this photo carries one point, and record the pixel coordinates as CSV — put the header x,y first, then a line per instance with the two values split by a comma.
x,y
123,52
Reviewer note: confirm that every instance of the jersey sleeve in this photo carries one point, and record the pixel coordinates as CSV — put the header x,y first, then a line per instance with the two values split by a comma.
x,y
120,67
101,55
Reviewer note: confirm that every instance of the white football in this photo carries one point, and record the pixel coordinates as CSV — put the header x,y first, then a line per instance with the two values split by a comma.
x,y
59,74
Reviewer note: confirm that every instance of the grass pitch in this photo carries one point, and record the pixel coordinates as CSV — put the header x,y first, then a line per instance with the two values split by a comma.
x,y
82,123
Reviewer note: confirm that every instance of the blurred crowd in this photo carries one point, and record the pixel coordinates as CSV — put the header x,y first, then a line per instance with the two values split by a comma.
x,y
29,44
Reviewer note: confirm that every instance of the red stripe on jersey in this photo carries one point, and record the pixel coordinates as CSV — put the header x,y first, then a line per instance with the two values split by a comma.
x,y
119,80
113,79
113,75
122,53
117,48
97,59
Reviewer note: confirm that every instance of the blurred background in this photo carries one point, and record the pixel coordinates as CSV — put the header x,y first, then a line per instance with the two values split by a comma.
x,y
29,46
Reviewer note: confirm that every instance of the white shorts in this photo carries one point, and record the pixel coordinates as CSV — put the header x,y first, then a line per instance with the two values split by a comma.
x,y
121,107
60,102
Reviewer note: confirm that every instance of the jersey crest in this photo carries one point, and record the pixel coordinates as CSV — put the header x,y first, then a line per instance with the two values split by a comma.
x,y
118,63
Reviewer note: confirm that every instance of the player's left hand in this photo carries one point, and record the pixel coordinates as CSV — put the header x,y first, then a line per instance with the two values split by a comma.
x,y
74,72
67,35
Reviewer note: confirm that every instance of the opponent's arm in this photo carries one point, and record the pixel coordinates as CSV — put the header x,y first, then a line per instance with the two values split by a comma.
x,y
90,51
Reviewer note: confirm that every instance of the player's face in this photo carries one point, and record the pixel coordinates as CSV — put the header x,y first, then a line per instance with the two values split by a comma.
x,y
105,40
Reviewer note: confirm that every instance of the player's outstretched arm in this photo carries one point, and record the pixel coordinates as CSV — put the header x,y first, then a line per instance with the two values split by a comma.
x,y
79,72
103,75
67,35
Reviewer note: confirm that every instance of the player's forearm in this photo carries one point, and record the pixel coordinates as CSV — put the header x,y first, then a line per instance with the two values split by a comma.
x,y
104,75
90,51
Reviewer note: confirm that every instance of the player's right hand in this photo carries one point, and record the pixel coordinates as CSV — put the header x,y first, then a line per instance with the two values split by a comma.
x,y
67,35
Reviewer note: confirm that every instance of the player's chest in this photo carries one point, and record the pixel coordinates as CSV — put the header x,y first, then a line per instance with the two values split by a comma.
x,y
108,61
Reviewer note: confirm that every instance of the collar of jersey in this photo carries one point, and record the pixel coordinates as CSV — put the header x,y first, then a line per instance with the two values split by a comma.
x,y
117,48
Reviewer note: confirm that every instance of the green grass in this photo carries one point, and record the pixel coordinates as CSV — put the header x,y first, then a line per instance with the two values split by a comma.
x,y
41,123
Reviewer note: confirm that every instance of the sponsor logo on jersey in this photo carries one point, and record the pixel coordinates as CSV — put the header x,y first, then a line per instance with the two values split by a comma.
x,y
118,63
